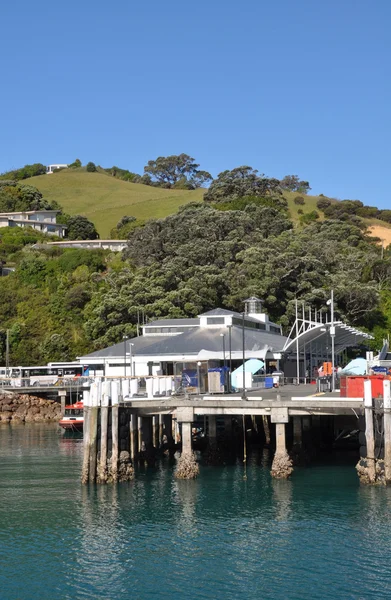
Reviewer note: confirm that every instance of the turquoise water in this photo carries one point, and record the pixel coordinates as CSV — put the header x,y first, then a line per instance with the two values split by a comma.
x,y
319,535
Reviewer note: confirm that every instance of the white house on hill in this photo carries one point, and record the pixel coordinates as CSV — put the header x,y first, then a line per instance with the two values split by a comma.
x,y
40,220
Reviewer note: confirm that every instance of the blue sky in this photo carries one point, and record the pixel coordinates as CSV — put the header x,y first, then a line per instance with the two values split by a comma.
x,y
286,86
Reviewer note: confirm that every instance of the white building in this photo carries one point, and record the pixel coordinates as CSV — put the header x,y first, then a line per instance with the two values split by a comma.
x,y
171,346
40,220
51,168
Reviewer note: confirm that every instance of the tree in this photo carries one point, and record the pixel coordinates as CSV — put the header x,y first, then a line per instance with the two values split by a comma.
x,y
169,170
79,228
15,196
25,172
91,167
323,203
76,164
292,183
240,182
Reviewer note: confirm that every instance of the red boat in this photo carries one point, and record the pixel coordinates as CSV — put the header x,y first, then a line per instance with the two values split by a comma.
x,y
73,418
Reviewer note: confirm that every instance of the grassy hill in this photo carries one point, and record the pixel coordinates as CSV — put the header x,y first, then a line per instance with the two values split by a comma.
x,y
104,199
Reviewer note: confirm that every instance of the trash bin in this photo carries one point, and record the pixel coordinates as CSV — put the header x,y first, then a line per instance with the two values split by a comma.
x,y
268,382
324,384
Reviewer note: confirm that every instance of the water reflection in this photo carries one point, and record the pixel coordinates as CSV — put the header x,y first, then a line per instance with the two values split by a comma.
x,y
319,535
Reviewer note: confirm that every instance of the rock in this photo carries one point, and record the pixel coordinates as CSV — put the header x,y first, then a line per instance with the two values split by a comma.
x,y
187,467
282,466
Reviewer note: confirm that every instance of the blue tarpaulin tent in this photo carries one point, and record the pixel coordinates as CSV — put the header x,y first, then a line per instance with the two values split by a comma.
x,y
253,365
358,366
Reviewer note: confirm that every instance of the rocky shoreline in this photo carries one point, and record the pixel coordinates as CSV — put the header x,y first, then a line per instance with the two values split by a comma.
x,y
22,408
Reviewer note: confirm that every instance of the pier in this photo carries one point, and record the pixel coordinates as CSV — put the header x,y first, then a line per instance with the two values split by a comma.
x,y
118,431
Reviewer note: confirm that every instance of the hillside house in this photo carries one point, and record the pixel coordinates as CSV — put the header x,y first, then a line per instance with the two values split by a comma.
x,y
44,221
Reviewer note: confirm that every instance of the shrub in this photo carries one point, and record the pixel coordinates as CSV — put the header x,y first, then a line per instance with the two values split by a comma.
x,y
309,217
300,211
91,167
323,203
76,164
299,200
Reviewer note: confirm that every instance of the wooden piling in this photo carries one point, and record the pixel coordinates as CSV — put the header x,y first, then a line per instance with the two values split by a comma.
x,y
266,429
297,431
140,433
86,444
104,419
369,432
155,431
114,439
387,431
161,428
212,429
133,436
93,436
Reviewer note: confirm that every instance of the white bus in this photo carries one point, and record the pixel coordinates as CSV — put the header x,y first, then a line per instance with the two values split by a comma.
x,y
42,375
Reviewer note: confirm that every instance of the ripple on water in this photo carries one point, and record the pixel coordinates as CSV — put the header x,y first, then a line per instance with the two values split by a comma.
x,y
317,536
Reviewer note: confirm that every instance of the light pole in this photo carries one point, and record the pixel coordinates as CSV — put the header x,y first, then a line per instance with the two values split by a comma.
x,y
131,359
230,357
125,337
330,302
222,335
244,358
198,377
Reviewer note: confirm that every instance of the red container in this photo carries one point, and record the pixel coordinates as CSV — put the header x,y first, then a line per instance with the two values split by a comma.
x,y
352,386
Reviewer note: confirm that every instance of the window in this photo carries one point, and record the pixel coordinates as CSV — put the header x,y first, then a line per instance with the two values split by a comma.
x,y
215,320
248,324
274,329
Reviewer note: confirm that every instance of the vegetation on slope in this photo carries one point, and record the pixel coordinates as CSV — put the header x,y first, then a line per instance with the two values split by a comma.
x,y
247,238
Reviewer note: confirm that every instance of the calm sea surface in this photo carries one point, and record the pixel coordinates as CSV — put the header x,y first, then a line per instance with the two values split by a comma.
x,y
319,535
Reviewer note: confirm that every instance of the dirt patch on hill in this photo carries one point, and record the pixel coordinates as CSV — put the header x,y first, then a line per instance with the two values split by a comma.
x,y
383,233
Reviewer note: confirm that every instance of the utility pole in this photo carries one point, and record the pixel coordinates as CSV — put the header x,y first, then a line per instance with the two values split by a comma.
x,y
332,333
7,353
244,358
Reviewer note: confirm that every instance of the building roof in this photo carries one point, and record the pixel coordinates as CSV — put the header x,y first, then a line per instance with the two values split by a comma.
x,y
29,212
319,335
117,350
195,340
220,311
171,322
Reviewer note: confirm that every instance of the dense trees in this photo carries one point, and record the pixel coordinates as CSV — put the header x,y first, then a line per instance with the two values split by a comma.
x,y
240,242
91,167
240,182
25,172
15,196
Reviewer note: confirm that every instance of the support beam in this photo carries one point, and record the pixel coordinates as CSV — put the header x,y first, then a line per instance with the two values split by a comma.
x,y
186,438
114,440
140,433
86,444
282,464
366,467
102,469
387,431
212,429
161,428
133,436
155,431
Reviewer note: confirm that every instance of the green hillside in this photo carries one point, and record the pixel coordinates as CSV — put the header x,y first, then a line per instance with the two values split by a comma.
x,y
104,199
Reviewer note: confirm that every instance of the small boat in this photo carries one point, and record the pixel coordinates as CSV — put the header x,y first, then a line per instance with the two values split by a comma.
x,y
73,418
